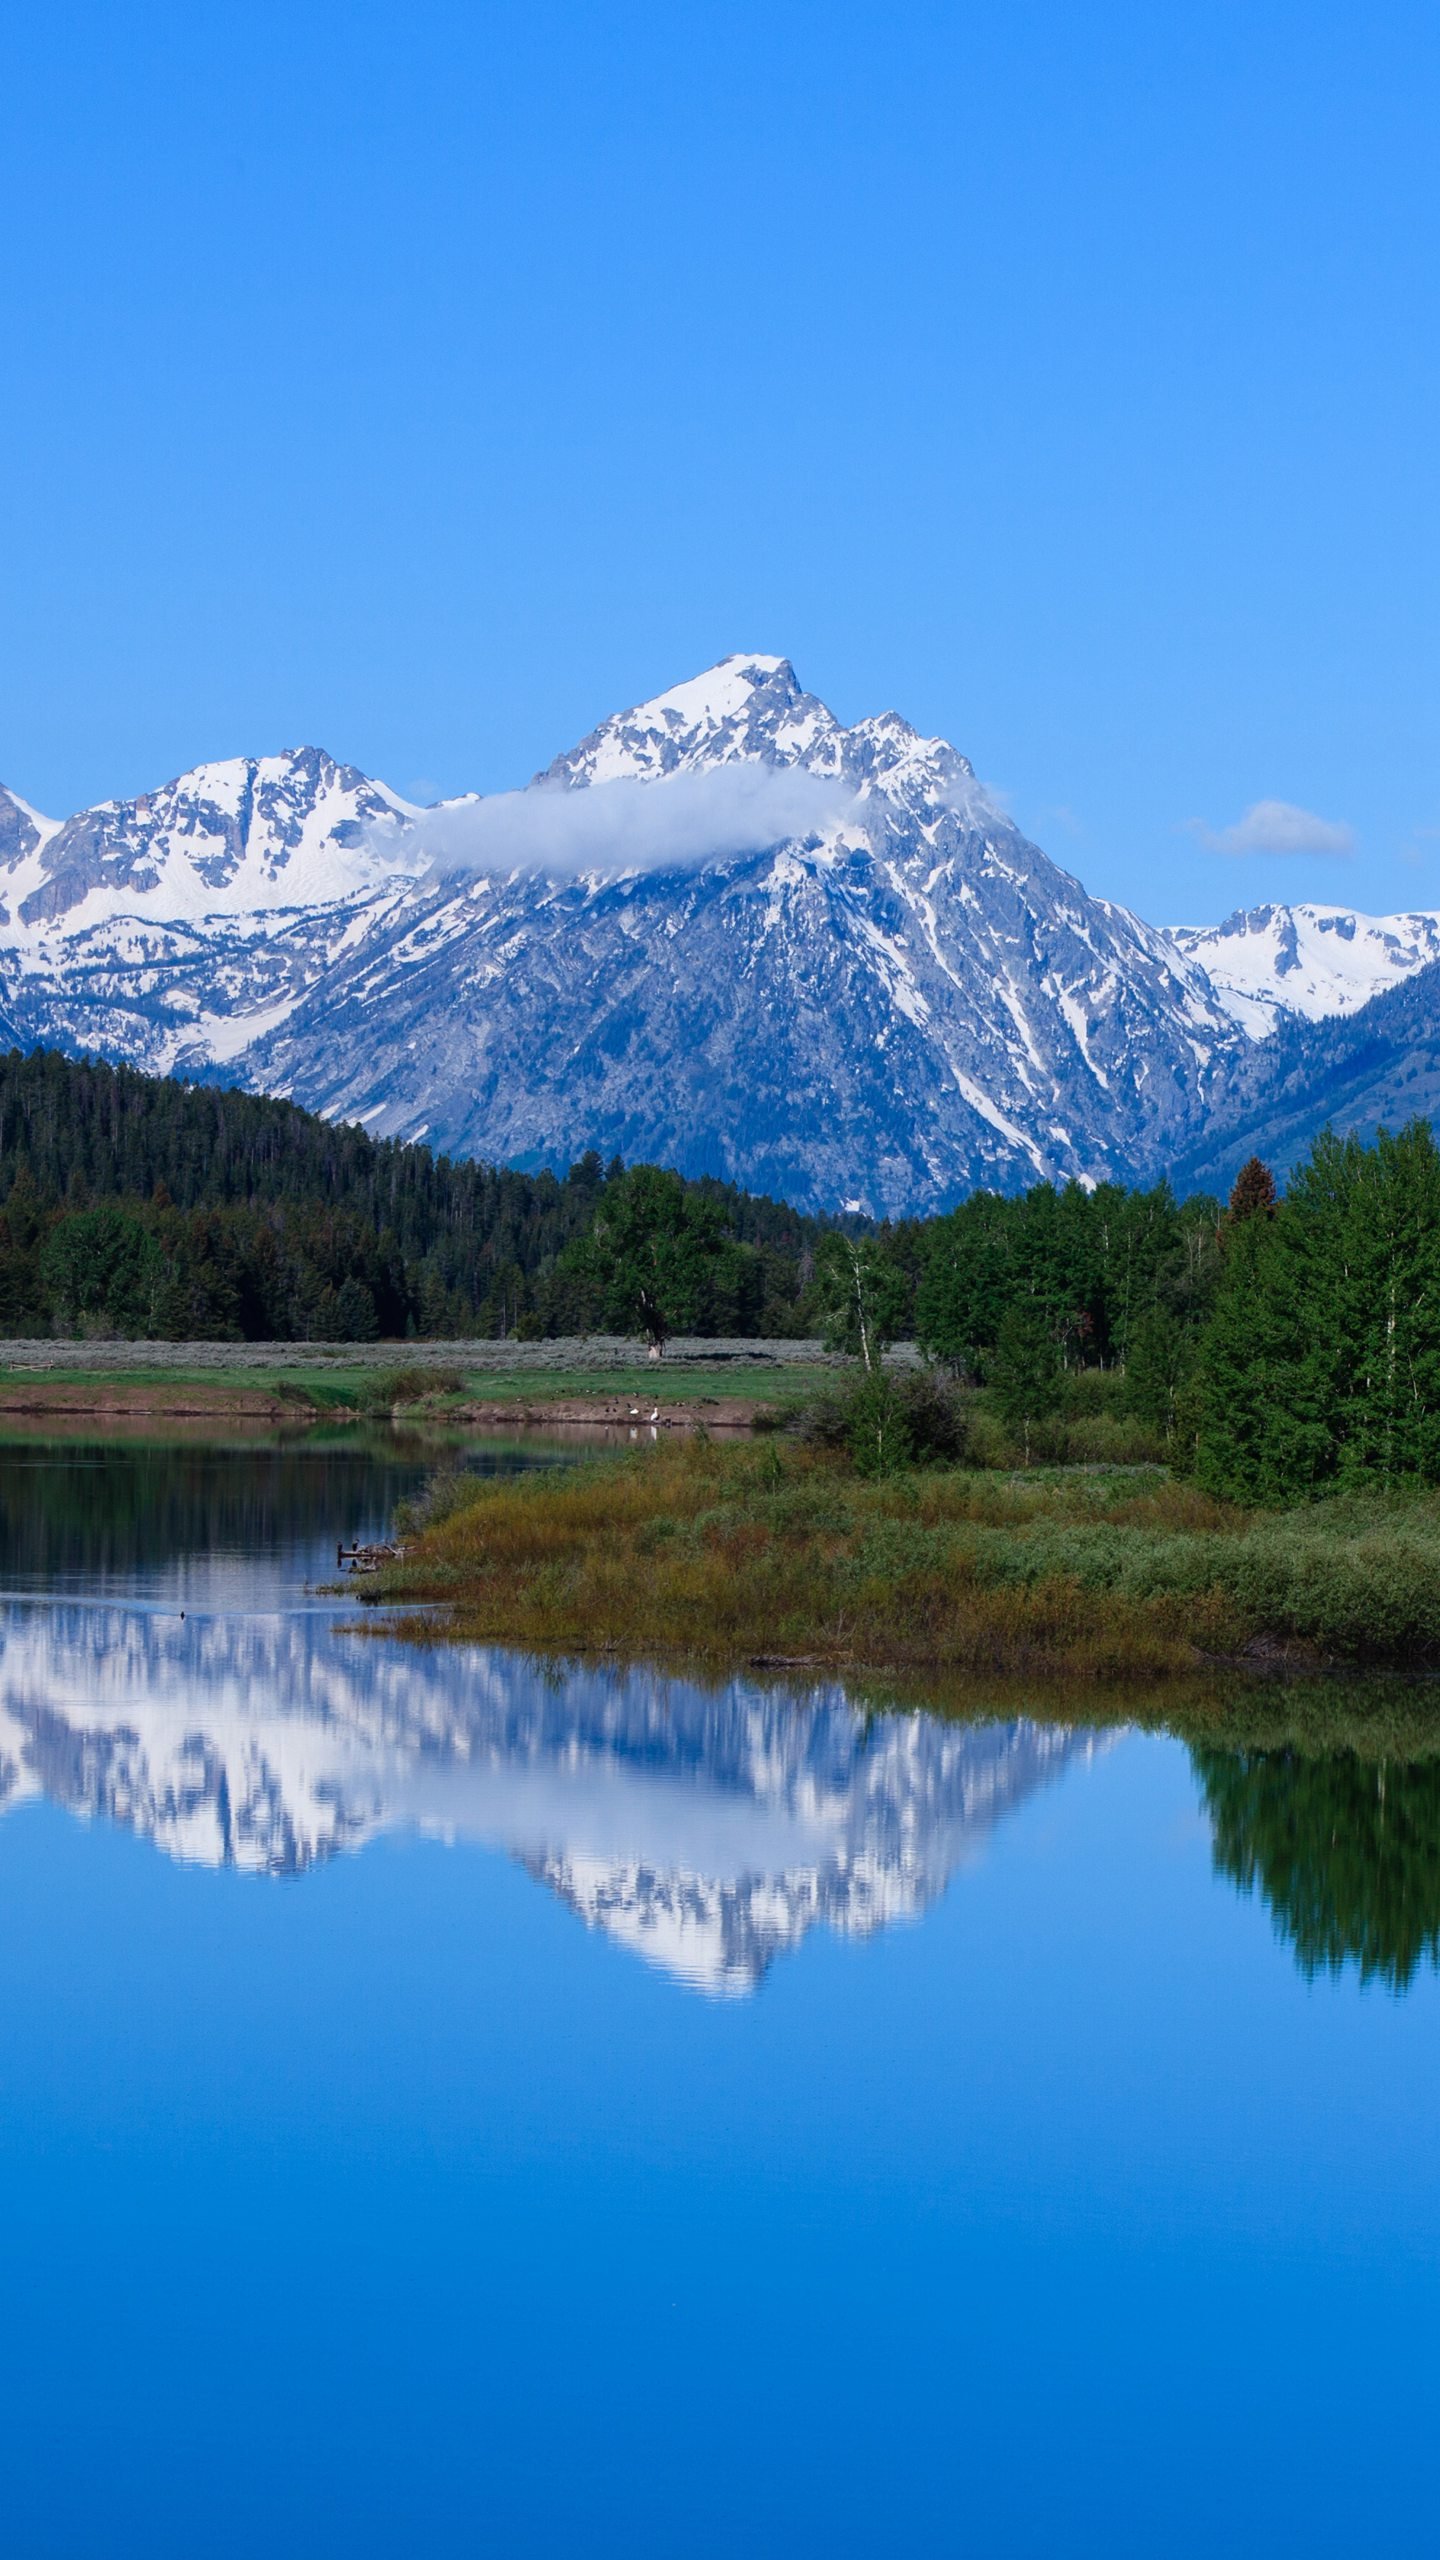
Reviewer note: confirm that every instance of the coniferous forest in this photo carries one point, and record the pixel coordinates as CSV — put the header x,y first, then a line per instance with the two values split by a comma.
x,y
143,1206
147,1207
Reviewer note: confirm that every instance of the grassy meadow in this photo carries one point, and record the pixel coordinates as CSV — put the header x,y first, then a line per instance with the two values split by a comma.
x,y
776,1551
447,1379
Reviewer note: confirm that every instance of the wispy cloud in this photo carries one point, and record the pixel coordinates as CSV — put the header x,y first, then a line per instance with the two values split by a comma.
x,y
679,821
1277,826
980,804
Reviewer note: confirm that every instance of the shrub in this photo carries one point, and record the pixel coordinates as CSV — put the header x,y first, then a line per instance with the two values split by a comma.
x,y
411,1385
937,1416
720,1552
884,1420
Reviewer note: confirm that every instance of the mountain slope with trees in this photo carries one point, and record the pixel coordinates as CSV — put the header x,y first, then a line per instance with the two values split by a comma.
x,y
1377,1068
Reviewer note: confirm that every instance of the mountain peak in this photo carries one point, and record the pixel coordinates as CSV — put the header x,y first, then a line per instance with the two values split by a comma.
x,y
238,835
751,709
741,708
825,964
724,689
22,829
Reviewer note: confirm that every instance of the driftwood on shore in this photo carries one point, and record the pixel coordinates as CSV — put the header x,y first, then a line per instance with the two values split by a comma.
x,y
368,1559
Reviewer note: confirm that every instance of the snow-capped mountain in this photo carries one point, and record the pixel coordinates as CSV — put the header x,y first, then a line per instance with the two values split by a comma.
x,y
1268,964
901,1000
171,930
725,932
707,1831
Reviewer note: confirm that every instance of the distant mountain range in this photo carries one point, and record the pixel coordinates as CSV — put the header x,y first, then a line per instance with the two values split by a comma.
x,y
725,933
1272,965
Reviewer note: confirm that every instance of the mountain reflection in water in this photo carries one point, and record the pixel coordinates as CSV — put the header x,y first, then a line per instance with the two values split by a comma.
x,y
708,1830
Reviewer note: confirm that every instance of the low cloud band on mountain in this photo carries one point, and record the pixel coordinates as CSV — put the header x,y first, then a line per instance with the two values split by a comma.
x,y
674,822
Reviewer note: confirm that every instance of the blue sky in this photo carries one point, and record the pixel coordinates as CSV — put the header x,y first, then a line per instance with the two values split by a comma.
x,y
428,382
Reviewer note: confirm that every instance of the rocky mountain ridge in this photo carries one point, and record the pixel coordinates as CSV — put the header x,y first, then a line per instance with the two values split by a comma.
x,y
1377,1066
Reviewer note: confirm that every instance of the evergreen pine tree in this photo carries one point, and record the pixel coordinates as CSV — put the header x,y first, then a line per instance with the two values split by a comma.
x,y
1242,1353
1254,1194
1157,1367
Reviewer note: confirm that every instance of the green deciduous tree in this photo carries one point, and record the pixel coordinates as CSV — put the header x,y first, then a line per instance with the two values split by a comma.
x,y
862,1296
651,1252
878,1433
1098,1262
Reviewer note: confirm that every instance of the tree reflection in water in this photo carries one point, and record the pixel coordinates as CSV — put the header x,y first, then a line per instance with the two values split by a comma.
x,y
1345,1850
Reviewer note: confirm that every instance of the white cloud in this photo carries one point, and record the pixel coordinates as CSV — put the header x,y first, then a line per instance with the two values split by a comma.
x,y
1278,826
980,804
680,820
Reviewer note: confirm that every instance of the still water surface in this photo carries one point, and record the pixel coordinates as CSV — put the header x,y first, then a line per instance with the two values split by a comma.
x,y
453,2106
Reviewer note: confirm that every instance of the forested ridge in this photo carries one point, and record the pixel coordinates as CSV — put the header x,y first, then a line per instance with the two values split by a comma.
x,y
147,1206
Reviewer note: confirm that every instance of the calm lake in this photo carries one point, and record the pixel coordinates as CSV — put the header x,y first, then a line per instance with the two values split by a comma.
x,y
450,2104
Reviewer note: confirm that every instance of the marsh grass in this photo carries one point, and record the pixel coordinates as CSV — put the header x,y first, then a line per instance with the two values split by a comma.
x,y
776,1552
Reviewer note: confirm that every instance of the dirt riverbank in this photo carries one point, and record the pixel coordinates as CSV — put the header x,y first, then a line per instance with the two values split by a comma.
x,y
109,1400
611,1413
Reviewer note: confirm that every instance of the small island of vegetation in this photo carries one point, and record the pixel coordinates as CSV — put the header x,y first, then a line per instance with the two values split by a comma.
x,y
1149,1436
